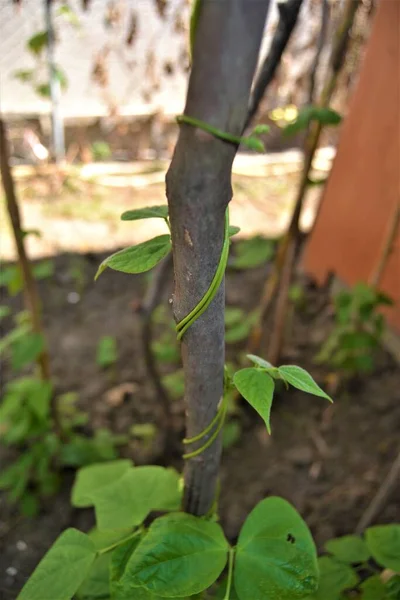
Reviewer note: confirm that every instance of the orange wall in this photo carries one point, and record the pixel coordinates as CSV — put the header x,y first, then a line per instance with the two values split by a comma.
x,y
364,185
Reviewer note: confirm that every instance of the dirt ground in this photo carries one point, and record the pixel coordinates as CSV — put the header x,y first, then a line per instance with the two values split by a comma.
x,y
326,459
72,210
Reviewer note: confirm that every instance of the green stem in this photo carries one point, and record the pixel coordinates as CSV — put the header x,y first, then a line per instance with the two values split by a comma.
x,y
212,438
203,433
116,544
223,135
251,141
204,303
230,573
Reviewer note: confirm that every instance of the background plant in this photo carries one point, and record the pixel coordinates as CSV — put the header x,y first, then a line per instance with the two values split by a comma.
x,y
357,331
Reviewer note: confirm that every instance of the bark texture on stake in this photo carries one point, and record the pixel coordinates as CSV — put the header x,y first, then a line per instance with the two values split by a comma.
x,y
31,296
227,43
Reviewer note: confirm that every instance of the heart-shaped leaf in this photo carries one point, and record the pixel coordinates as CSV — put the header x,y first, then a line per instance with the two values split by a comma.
x,y
128,500
384,543
259,361
348,549
97,583
323,115
252,252
138,259
335,577
276,555
233,230
181,555
300,379
90,479
26,349
147,212
373,589
257,387
62,570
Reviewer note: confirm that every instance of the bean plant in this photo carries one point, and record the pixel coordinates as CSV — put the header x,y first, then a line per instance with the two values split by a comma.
x,y
43,426
357,331
129,554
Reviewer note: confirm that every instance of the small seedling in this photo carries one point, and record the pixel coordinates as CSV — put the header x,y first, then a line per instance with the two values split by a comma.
x,y
106,355
11,277
252,253
238,324
357,331
100,150
28,411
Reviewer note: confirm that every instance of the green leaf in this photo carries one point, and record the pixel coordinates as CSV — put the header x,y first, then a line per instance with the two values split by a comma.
x,y
233,230
325,116
29,505
300,379
238,332
92,478
4,311
373,589
140,258
63,568
315,182
252,253
392,588
384,543
260,129
129,500
38,42
36,232
143,431
120,557
276,555
166,350
43,269
100,150
259,361
348,549
233,315
221,592
11,278
104,539
335,577
69,15
23,393
119,560
147,212
39,398
60,76
43,89
26,349
17,475
257,387
81,450
24,75
181,555
231,434
106,351
175,383
97,582
253,143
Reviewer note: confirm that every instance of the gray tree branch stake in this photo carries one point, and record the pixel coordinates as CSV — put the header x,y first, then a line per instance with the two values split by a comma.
x,y
227,43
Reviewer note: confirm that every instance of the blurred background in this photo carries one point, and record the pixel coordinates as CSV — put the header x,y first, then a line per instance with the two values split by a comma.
x,y
89,91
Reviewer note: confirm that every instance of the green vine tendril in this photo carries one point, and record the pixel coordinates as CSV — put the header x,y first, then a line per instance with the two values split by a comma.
x,y
254,143
205,302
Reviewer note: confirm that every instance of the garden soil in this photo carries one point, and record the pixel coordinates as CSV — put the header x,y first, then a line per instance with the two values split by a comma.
x,y
328,460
